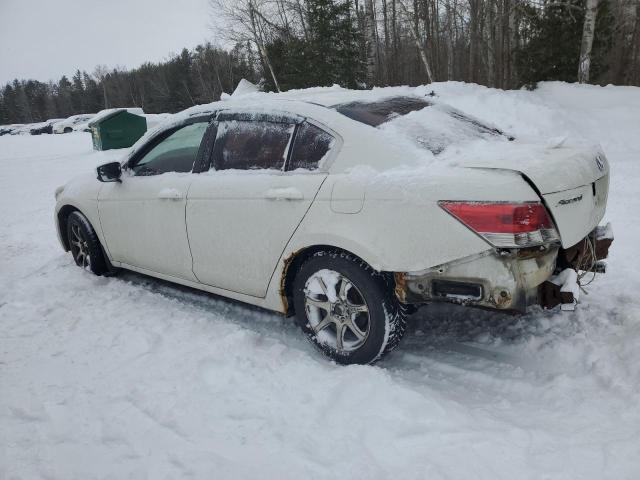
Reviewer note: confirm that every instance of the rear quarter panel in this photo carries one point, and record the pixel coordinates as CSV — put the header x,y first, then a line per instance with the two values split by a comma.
x,y
400,226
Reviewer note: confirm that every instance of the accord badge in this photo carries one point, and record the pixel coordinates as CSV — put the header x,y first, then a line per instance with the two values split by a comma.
x,y
568,201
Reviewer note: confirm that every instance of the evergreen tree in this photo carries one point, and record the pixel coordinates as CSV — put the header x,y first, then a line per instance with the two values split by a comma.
x,y
77,93
23,106
327,55
10,105
4,116
92,94
64,100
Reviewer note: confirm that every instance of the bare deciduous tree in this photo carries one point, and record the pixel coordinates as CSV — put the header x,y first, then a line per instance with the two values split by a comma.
x,y
244,20
370,40
412,21
588,30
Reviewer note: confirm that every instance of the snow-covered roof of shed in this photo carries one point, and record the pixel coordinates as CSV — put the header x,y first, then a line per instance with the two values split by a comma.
x,y
109,112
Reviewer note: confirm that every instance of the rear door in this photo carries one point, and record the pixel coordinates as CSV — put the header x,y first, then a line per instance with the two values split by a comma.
x,y
241,213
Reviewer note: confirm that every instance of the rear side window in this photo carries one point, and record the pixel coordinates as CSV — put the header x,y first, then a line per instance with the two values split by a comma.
x,y
250,145
309,147
176,153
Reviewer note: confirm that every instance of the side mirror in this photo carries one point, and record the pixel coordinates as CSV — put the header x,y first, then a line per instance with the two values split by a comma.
x,y
110,172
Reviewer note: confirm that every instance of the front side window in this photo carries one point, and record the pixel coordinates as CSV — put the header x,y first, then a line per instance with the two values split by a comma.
x,y
251,145
176,153
310,146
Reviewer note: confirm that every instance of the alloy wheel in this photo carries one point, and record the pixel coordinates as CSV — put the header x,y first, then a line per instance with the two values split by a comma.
x,y
79,247
336,311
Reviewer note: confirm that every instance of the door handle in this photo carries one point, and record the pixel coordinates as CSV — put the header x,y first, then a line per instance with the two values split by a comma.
x,y
287,193
170,194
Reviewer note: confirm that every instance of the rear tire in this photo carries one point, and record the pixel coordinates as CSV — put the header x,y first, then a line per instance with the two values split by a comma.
x,y
67,130
347,309
84,244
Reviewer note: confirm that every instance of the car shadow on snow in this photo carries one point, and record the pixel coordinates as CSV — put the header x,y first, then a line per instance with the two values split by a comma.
x,y
254,318
439,332
443,322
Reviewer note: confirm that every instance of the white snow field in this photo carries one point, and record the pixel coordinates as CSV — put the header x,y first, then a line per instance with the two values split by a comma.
x,y
130,377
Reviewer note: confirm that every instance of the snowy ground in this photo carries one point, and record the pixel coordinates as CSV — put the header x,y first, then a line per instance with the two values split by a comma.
x,y
130,377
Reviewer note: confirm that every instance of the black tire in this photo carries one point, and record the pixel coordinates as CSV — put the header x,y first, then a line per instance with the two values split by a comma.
x,y
67,130
386,316
84,244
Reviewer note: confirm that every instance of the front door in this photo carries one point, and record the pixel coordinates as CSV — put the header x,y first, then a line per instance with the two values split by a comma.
x,y
143,218
242,213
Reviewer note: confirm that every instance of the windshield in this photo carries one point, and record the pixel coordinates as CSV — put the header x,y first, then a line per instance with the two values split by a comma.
x,y
429,125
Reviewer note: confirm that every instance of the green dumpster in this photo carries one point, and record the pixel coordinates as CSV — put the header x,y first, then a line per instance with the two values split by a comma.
x,y
116,128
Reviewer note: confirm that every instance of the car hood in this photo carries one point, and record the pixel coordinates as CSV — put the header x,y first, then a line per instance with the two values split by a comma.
x,y
550,169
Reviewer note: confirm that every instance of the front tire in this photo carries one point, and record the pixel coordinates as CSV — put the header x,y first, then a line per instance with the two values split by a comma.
x,y
84,244
347,309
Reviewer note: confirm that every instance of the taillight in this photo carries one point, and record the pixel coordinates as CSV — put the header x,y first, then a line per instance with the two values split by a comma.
x,y
505,225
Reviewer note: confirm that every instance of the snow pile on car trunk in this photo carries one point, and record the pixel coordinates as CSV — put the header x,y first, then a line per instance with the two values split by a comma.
x,y
130,377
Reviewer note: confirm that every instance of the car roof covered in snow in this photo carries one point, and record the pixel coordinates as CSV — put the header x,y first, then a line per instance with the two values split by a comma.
x,y
320,96
75,118
406,127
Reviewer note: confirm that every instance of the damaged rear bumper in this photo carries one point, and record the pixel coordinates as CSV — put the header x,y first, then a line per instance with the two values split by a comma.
x,y
585,256
506,280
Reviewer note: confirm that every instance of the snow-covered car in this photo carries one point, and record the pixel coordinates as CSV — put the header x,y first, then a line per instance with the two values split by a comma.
x,y
73,123
44,127
7,129
21,128
344,211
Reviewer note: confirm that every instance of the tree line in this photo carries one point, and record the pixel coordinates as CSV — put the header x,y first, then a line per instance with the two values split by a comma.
x,y
288,44
192,77
498,43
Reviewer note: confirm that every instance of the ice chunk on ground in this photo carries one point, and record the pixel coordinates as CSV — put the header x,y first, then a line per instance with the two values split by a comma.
x,y
567,280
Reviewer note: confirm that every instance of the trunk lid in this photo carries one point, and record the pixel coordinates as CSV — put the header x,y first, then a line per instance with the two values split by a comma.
x,y
572,181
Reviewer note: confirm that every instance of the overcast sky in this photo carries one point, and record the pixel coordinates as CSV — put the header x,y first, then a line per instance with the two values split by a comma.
x,y
45,39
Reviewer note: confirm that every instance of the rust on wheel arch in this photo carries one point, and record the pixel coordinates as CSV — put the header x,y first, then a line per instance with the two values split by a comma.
x,y
283,281
401,286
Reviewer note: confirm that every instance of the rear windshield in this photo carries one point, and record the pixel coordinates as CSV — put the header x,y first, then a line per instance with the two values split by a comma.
x,y
428,125
377,113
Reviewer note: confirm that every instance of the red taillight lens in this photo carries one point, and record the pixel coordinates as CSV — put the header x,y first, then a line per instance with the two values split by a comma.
x,y
505,224
500,217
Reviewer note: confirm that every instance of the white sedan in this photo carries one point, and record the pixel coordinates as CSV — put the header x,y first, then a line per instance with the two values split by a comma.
x,y
73,123
344,212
